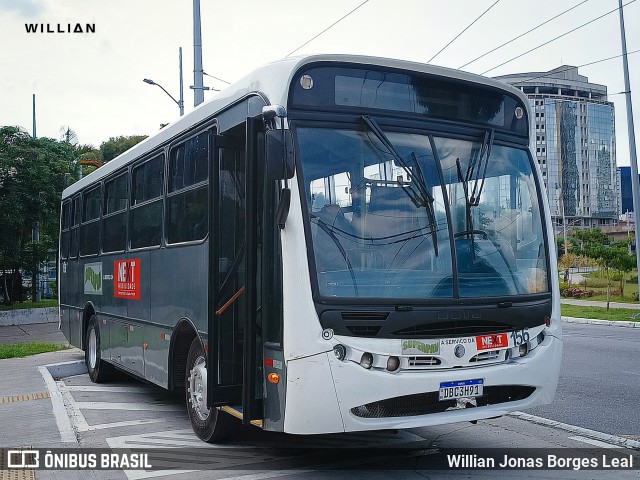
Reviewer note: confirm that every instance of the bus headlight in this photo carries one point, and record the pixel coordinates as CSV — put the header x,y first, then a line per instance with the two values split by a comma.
x,y
339,351
393,363
366,360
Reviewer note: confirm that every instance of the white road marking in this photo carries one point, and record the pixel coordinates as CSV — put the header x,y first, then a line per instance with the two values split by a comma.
x,y
67,433
128,423
591,441
130,406
186,439
100,388
585,432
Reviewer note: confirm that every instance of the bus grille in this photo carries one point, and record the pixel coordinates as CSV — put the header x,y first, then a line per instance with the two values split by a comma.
x,y
424,361
492,355
426,403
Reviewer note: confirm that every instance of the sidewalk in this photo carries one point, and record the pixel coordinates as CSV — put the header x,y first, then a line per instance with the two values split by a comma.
x,y
594,303
35,332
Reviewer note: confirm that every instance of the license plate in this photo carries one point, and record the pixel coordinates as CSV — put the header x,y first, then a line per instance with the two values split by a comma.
x,y
461,389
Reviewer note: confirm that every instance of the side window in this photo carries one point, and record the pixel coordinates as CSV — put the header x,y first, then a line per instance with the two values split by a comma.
x,y
114,220
65,234
187,218
145,218
90,230
75,227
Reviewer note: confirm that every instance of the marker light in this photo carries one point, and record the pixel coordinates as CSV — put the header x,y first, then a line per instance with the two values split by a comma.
x,y
547,321
340,351
367,360
393,363
523,349
273,378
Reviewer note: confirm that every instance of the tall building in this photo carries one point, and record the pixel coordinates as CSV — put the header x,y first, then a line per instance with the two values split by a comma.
x,y
575,144
626,191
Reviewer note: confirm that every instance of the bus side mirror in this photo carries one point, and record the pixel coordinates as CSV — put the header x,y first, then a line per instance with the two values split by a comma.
x,y
279,154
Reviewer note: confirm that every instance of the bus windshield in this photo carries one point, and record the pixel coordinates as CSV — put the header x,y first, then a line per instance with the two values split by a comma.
x,y
404,215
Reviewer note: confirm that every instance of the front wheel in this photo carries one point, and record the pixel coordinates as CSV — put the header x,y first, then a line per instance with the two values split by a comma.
x,y
99,370
209,424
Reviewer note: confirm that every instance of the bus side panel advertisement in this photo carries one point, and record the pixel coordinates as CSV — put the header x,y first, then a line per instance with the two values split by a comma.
x,y
127,279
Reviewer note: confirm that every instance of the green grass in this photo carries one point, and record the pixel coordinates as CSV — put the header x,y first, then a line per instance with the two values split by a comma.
x,y
600,313
49,302
14,350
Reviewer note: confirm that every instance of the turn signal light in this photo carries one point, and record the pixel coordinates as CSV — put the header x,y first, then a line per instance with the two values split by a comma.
x,y
273,378
523,349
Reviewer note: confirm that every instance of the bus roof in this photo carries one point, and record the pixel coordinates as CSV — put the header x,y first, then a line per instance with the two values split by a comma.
x,y
271,81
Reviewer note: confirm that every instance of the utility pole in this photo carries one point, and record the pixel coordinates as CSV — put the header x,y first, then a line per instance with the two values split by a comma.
x,y
181,102
632,139
35,234
198,84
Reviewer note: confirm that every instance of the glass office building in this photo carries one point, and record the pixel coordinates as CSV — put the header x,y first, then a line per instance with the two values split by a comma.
x,y
575,144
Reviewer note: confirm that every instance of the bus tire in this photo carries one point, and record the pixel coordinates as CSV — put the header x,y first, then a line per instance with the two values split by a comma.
x,y
99,370
211,425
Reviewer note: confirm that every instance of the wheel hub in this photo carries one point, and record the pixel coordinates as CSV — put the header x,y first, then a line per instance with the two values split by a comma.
x,y
92,349
198,389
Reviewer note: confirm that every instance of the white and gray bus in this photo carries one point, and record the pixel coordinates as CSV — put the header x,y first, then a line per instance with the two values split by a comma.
x,y
334,243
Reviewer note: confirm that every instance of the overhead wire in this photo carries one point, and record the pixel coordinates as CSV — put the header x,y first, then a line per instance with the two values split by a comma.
x,y
219,79
326,29
465,29
548,74
556,38
523,34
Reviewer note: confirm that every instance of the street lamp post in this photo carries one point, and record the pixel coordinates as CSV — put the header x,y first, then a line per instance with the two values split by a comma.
x,y
180,102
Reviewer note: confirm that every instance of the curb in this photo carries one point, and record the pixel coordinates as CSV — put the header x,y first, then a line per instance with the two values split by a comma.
x,y
611,323
27,316
603,437
50,374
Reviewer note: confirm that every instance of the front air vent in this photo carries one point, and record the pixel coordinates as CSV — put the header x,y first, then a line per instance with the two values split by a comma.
x,y
417,362
364,330
490,356
364,316
427,403
452,329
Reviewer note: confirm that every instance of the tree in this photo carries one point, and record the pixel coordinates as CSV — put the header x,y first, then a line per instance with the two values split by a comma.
x,y
608,253
33,173
117,145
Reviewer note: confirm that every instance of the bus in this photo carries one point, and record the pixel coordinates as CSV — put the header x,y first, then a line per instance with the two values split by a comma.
x,y
334,243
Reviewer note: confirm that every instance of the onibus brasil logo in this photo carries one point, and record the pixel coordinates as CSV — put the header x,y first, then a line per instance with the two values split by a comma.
x,y
93,278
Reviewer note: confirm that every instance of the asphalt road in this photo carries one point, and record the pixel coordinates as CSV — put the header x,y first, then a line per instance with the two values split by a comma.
x,y
599,382
597,391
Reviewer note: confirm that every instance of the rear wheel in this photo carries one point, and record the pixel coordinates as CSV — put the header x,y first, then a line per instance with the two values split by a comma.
x,y
209,424
99,370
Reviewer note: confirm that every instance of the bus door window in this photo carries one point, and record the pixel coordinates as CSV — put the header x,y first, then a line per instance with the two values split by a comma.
x,y
231,210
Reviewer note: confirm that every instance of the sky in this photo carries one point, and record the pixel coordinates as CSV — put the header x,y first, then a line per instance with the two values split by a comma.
x,y
92,82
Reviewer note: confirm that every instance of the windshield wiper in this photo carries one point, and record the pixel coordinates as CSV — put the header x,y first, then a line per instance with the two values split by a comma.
x,y
472,199
420,198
